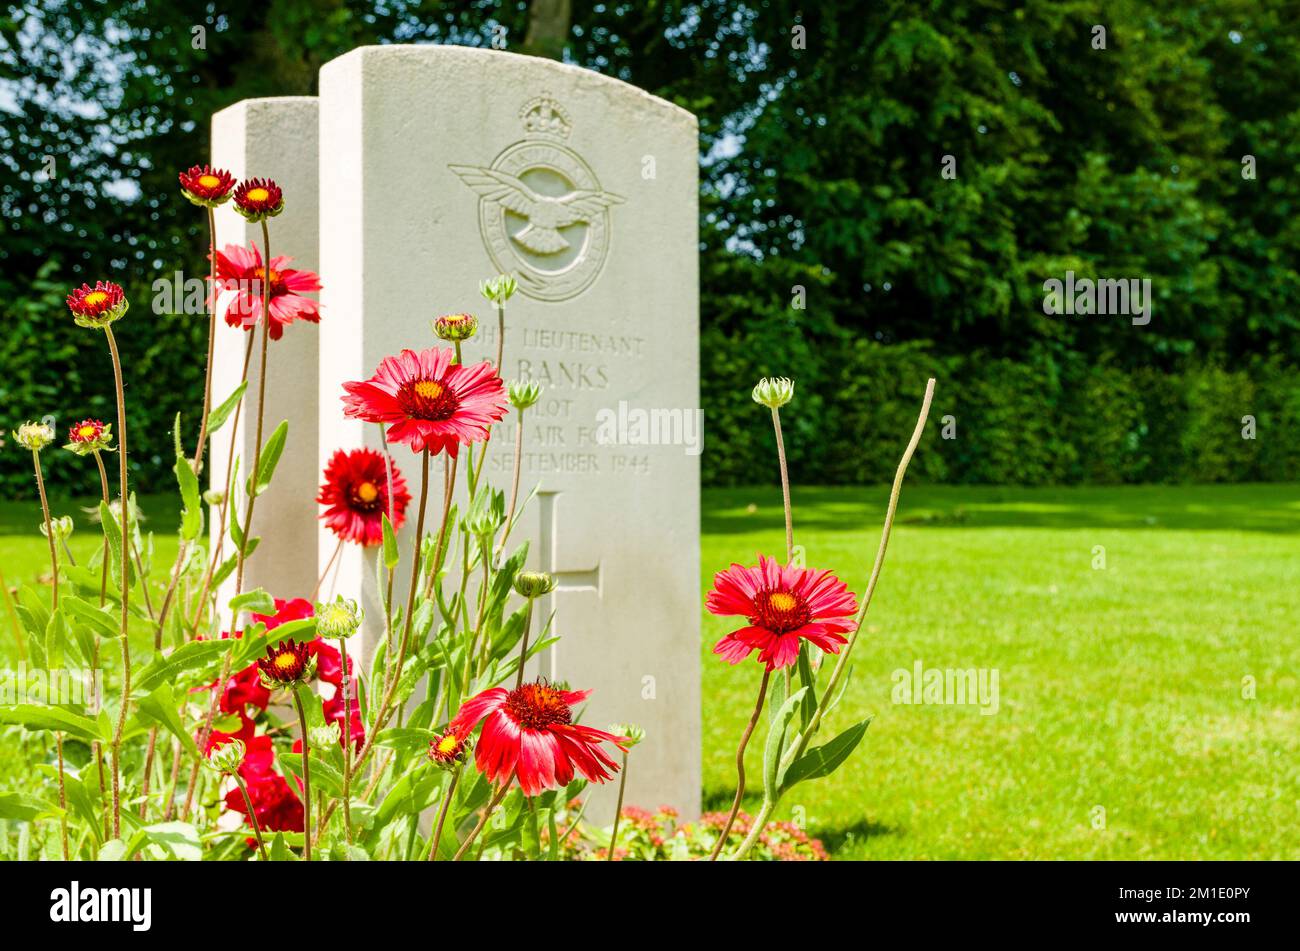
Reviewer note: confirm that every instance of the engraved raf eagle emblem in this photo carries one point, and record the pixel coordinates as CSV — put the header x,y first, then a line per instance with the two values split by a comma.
x,y
545,214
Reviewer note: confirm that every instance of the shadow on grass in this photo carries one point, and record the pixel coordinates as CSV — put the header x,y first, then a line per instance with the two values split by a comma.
x,y
1245,507
838,838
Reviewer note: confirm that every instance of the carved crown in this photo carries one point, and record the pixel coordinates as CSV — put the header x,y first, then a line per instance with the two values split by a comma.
x,y
545,116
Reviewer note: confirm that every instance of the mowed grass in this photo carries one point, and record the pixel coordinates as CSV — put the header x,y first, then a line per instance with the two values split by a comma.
x,y
1120,689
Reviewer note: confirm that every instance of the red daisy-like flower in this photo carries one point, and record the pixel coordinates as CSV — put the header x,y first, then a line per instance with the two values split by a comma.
x,y
355,496
447,749
259,198
97,306
239,289
86,431
530,733
430,402
783,604
286,663
205,185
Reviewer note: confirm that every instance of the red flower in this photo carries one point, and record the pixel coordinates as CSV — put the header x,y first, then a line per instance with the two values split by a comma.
x,y
529,732
286,611
286,663
276,806
446,749
783,605
86,431
431,403
259,198
205,185
239,289
355,496
97,306
219,738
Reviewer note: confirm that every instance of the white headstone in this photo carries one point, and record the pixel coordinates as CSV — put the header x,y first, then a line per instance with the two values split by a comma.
x,y
443,165
277,139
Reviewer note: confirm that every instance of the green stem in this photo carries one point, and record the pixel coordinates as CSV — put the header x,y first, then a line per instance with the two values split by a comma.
x,y
523,647
442,813
126,586
49,527
740,767
346,734
618,811
487,814
252,816
306,776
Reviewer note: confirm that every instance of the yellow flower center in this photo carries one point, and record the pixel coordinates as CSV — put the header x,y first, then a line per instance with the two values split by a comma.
x,y
209,181
257,194
367,492
285,661
781,601
447,744
428,389
95,298
85,432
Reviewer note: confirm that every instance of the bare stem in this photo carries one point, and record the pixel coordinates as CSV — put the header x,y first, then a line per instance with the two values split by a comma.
x,y
212,333
618,811
785,487
306,776
487,814
740,767
252,816
442,814
126,586
49,528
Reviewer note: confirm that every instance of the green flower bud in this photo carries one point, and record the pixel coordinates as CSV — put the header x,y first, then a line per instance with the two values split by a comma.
x,y
62,527
629,731
534,584
34,436
455,327
775,392
338,619
498,289
227,757
523,393
324,737
214,496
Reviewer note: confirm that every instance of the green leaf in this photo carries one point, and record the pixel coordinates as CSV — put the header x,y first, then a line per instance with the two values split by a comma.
x,y
105,622
114,533
400,738
825,759
776,743
161,706
24,807
179,838
256,601
191,503
217,418
36,717
168,668
809,681
323,775
391,556
270,458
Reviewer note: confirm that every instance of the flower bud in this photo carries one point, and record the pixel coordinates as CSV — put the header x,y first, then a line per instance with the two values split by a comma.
x,y
227,757
534,584
775,392
524,393
338,619
62,527
288,663
630,732
486,513
448,749
455,327
214,496
323,737
498,289
34,436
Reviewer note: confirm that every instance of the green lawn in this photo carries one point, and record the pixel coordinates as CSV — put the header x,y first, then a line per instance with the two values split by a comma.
x,y
1120,688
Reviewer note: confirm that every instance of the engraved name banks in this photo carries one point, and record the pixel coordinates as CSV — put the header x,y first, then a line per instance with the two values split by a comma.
x,y
102,905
